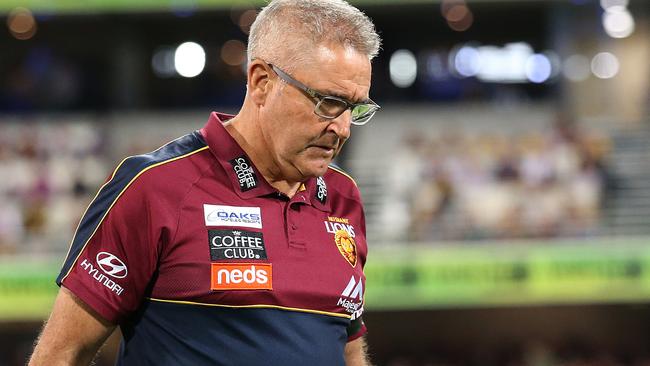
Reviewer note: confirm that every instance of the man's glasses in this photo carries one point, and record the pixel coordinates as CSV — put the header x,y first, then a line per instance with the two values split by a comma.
x,y
330,107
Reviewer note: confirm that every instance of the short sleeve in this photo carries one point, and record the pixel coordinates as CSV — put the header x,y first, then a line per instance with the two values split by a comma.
x,y
114,252
356,329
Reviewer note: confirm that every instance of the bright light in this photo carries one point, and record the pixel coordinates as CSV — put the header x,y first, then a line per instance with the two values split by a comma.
x,y
504,65
538,68
467,61
605,65
436,66
233,52
403,68
576,68
162,62
556,63
618,22
608,4
189,59
247,19
458,16
456,13
21,24
512,63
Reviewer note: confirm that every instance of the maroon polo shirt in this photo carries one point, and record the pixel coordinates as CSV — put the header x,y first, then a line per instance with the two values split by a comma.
x,y
201,261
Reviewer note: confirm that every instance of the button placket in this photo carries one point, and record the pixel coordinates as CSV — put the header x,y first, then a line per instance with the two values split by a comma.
x,y
296,237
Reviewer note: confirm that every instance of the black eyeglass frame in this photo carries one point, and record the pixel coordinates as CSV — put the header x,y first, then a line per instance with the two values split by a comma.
x,y
319,98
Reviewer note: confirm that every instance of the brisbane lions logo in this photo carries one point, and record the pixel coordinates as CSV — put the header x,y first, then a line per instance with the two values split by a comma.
x,y
346,245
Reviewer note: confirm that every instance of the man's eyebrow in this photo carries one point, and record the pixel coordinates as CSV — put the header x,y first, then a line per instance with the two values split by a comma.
x,y
330,93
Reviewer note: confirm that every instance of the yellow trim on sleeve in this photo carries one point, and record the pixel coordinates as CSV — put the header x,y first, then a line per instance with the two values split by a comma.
x,y
256,306
115,200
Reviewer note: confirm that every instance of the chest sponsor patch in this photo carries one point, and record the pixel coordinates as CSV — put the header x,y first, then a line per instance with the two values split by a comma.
x,y
343,237
245,174
241,276
236,244
351,298
218,215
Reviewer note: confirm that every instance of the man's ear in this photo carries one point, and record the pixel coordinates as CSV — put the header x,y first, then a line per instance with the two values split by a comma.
x,y
259,82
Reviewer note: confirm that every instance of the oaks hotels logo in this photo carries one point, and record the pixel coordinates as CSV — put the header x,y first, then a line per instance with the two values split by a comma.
x,y
245,174
352,298
218,215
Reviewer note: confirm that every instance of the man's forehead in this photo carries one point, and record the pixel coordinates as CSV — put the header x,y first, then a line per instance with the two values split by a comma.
x,y
330,52
338,71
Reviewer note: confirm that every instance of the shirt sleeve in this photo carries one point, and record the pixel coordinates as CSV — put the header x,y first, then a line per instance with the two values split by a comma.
x,y
356,329
114,250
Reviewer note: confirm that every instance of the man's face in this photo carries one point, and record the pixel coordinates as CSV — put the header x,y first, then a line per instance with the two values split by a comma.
x,y
301,143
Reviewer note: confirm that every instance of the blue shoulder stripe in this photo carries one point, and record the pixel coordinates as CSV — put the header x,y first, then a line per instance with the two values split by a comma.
x,y
125,174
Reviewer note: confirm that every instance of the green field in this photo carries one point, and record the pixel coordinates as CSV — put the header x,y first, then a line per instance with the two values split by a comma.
x,y
435,276
517,273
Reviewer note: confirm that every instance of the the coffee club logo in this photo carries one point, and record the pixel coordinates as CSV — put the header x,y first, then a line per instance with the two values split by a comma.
x,y
236,244
244,172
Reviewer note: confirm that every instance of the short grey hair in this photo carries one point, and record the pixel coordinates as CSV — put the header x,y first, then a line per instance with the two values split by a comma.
x,y
286,31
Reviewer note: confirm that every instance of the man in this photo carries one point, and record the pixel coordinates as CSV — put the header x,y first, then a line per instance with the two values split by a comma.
x,y
236,244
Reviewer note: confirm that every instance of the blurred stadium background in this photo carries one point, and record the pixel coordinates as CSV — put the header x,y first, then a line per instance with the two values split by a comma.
x,y
506,180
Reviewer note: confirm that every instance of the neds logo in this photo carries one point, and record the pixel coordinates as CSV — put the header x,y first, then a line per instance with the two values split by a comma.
x,y
241,276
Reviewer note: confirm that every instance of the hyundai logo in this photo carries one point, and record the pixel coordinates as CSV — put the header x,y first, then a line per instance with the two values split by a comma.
x,y
111,265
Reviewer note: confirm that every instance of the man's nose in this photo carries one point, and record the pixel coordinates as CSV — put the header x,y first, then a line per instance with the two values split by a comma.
x,y
341,125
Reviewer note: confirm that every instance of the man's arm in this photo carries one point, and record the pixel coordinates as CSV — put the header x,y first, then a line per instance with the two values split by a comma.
x,y
355,353
72,335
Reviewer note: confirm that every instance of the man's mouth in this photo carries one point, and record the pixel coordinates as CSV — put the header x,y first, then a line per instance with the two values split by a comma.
x,y
326,147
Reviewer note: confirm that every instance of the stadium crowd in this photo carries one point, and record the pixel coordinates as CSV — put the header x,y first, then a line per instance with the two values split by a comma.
x,y
457,186
463,185
49,173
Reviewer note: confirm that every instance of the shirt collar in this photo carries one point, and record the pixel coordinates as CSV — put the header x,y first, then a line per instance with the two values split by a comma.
x,y
317,192
246,180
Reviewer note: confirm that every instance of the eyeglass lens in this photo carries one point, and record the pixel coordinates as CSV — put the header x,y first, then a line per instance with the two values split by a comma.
x,y
332,108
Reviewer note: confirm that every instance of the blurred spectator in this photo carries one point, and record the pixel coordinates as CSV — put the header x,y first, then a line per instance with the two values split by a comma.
x,y
463,186
49,173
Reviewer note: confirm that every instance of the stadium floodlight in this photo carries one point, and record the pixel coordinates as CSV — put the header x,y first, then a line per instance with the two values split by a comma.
x,y
403,68
189,59
605,65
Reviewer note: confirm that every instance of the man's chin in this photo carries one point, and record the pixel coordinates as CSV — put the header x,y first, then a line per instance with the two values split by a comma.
x,y
316,168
